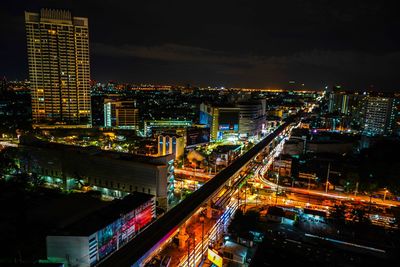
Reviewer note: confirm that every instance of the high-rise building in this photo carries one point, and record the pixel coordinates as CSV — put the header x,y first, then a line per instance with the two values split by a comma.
x,y
339,102
379,116
121,114
250,118
222,121
59,67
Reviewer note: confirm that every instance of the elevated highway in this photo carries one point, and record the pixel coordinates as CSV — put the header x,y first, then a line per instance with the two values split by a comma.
x,y
147,243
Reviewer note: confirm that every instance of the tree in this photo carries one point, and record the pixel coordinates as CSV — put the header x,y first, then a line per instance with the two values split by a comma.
x,y
7,161
36,181
21,181
351,180
369,188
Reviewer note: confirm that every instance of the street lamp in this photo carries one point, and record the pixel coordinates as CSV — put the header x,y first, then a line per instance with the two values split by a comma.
x,y
327,178
384,196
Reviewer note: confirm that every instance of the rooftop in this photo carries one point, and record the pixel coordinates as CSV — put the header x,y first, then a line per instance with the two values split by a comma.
x,y
101,218
91,151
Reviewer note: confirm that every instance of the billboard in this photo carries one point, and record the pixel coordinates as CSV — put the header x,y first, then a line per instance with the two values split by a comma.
x,y
228,120
123,229
195,136
213,256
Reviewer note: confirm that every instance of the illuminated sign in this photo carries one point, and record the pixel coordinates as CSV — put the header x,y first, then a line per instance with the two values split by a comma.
x,y
214,257
228,127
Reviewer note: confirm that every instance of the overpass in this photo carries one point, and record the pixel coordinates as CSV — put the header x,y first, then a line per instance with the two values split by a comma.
x,y
136,251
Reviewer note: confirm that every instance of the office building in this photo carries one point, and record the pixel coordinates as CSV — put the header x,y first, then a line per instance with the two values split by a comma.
x,y
59,68
251,118
338,102
380,116
121,114
222,121
89,240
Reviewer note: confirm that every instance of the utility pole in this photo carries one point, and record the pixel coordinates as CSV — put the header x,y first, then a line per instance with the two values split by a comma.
x,y
384,196
327,178
356,191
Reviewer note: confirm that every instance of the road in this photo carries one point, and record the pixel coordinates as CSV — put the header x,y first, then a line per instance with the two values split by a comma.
x,y
149,242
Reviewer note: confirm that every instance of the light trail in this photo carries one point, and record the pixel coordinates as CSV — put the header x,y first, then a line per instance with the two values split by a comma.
x,y
214,234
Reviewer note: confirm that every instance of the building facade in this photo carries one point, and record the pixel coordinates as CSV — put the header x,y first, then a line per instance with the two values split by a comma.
x,y
86,242
380,116
339,102
121,114
171,144
222,121
59,67
251,118
152,126
112,173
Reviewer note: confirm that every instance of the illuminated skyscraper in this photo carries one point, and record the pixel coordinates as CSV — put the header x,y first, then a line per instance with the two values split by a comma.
x,y
379,116
59,67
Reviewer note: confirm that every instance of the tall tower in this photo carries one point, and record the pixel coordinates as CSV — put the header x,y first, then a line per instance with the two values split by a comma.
x,y
59,67
379,116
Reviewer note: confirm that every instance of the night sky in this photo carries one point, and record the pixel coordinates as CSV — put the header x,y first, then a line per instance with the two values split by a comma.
x,y
226,43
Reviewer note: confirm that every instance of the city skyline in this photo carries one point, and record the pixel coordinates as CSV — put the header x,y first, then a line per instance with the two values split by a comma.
x,y
162,133
227,44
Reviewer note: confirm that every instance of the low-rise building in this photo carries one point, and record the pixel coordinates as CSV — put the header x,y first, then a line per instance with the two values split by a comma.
x,y
293,146
225,154
113,173
283,166
89,240
329,146
171,144
121,114
234,253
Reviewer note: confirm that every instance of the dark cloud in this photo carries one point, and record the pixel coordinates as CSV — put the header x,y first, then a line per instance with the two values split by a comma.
x,y
235,43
